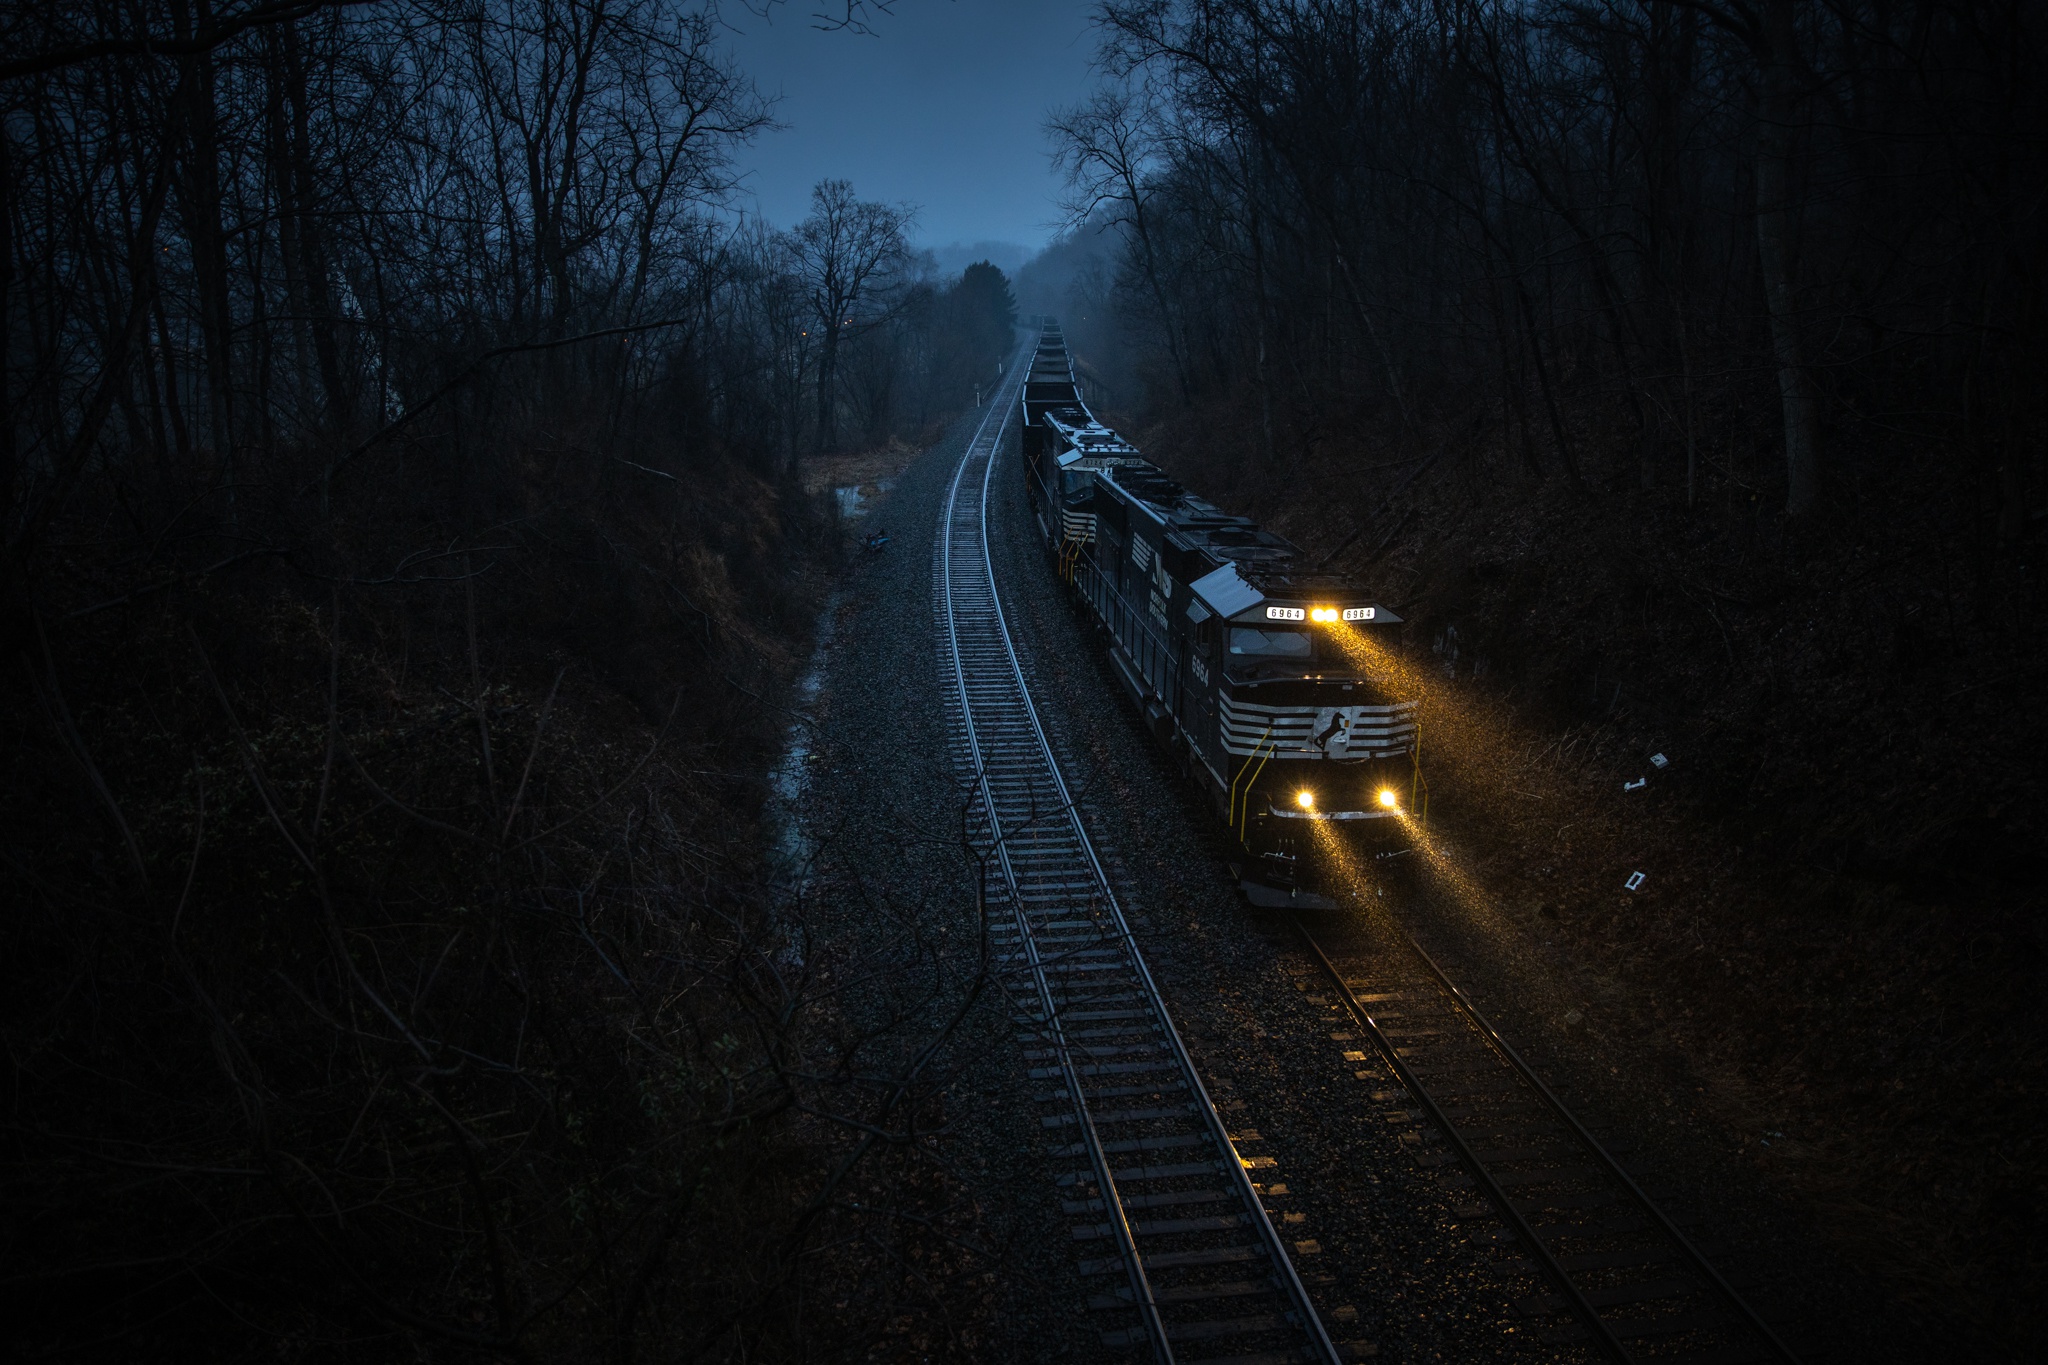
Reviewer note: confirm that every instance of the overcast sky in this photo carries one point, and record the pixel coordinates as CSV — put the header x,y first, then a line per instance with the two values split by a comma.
x,y
942,107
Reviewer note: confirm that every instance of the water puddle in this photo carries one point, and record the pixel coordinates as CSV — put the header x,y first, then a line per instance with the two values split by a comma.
x,y
854,499
792,847
792,850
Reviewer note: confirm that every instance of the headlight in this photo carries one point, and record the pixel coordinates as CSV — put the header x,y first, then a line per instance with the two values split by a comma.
x,y
1389,799
1305,799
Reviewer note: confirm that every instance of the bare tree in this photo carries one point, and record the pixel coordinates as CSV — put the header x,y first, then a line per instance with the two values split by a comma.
x,y
1110,149
847,253
393,428
1537,202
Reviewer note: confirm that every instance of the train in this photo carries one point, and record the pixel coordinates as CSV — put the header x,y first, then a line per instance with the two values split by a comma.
x,y
1272,682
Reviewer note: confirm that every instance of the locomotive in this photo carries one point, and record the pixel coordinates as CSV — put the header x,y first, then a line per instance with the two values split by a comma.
x,y
1266,678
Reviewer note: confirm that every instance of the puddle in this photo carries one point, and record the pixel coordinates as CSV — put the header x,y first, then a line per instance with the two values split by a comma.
x,y
789,783
791,847
853,498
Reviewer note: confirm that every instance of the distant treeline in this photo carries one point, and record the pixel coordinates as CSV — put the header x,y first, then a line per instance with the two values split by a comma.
x,y
1598,231
325,233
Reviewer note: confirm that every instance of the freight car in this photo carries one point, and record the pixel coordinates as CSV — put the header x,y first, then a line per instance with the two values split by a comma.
x,y
1267,679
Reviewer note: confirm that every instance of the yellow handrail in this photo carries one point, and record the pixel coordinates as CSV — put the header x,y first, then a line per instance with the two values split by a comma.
x,y
1230,817
1244,832
1257,744
1070,557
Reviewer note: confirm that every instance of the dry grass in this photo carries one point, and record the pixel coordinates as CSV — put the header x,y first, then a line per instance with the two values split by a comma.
x,y
863,469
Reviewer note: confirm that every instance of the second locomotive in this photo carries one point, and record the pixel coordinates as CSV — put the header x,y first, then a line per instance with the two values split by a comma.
x,y
1270,680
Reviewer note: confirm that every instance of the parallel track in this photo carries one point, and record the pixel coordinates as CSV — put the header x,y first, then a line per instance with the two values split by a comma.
x,y
1190,1264
1624,1278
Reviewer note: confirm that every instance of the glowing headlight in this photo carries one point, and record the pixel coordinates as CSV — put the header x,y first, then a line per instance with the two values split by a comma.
x,y
1323,614
1306,800
1389,799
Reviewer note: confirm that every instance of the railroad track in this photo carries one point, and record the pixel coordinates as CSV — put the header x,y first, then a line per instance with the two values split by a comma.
x,y
1614,1271
1167,1220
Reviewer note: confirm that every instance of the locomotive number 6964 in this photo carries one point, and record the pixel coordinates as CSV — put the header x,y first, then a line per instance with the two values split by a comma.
x,y
1270,680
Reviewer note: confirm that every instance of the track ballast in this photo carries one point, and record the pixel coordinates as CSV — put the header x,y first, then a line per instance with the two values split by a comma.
x,y
1620,1276
1165,1215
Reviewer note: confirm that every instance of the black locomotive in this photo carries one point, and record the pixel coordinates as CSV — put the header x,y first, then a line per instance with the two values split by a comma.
x,y
1256,670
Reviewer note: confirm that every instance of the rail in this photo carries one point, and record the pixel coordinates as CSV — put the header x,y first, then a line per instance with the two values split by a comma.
x,y
1583,1302
1072,948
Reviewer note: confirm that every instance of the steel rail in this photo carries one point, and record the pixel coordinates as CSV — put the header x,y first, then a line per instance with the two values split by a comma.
x,y
1102,894
1581,1306
1693,1254
1312,1322
1588,1315
1098,1159
1126,1240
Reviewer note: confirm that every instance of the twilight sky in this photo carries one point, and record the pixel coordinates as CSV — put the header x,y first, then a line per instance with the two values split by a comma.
x,y
942,107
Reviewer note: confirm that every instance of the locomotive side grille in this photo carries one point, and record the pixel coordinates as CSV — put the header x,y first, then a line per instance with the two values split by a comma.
x,y
1077,526
1318,731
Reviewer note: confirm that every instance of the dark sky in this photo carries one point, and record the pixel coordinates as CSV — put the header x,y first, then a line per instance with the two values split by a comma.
x,y
941,107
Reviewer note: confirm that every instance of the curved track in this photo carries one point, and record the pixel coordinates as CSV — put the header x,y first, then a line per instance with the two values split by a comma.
x,y
1163,1210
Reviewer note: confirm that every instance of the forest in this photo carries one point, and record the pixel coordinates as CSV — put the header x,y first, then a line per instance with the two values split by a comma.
x,y
405,550
1674,366
410,542
1625,217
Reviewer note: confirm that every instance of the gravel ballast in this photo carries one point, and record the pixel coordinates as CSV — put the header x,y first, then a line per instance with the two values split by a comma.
x,y
1396,1266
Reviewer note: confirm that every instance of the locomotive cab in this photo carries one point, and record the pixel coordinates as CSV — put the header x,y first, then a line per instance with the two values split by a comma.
x,y
1321,752
1308,747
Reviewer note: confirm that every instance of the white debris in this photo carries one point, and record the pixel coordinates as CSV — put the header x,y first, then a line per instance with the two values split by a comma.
x,y
1639,782
1635,881
1659,761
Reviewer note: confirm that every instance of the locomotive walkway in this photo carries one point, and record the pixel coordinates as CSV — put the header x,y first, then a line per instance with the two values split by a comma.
x,y
1163,1213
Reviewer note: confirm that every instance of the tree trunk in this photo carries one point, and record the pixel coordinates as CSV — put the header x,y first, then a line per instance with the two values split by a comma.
x,y
1173,337
1557,431
1260,308
173,405
199,195
1774,252
310,233
828,374
1513,397
9,470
